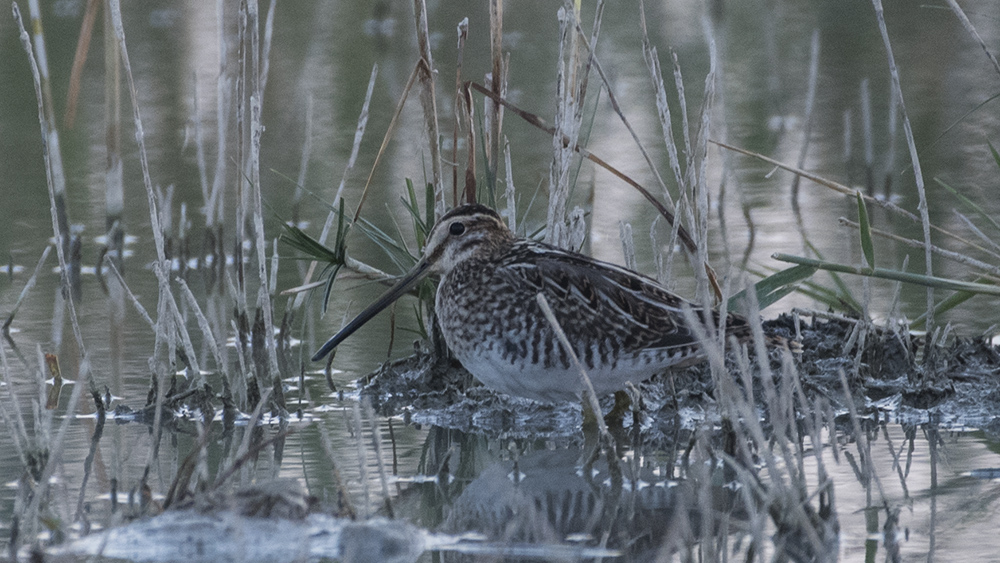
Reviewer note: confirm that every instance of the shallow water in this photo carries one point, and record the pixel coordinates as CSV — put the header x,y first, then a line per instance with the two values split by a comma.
x,y
324,52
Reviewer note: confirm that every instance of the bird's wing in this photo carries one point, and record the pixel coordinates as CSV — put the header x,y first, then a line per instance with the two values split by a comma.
x,y
592,297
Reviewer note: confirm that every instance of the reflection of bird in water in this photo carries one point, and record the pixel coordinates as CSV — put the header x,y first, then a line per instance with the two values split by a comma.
x,y
623,327
546,497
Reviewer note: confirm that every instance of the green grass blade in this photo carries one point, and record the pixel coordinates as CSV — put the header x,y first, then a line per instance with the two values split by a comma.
x,y
772,288
308,246
429,207
947,304
968,202
895,275
845,296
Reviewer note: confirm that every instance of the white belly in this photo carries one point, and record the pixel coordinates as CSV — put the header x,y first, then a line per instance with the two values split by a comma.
x,y
548,385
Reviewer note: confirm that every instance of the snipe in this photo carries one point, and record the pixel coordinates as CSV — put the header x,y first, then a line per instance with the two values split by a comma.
x,y
624,327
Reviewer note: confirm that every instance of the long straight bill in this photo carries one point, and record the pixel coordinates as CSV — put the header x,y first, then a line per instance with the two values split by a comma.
x,y
402,286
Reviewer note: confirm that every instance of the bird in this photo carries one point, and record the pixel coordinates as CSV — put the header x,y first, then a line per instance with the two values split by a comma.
x,y
623,327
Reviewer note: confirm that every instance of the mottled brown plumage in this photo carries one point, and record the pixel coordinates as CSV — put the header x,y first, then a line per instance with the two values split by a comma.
x,y
624,327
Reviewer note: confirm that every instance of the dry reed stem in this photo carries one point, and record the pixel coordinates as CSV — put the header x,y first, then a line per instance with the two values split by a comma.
x,y
463,35
662,107
154,215
464,102
418,69
950,255
842,189
964,19
628,244
256,132
566,129
50,133
509,191
540,123
135,301
867,135
265,48
25,290
343,494
204,325
215,206
199,147
918,175
359,134
379,459
307,141
362,461
976,230
498,83
428,99
185,338
82,47
613,99
708,285
589,400
47,130
20,434
814,46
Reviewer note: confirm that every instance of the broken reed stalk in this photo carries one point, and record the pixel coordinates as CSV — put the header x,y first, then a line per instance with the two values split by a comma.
x,y
918,175
463,35
428,99
466,110
566,128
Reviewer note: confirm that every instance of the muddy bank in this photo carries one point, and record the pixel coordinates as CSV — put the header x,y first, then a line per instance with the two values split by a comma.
x,y
889,374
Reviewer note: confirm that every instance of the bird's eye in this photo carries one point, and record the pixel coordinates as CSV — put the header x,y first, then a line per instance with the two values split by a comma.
x,y
456,228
